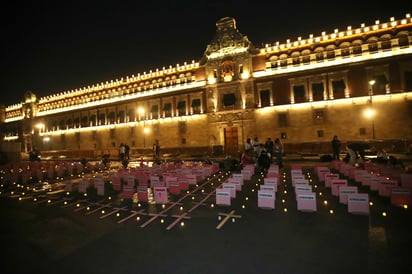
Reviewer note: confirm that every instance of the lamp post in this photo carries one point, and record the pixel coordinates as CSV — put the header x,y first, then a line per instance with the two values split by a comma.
x,y
371,112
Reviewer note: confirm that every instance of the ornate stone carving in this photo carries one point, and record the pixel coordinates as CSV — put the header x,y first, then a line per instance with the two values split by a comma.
x,y
228,40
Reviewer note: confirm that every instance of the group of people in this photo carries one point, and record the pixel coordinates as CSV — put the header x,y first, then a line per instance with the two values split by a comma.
x,y
262,154
356,152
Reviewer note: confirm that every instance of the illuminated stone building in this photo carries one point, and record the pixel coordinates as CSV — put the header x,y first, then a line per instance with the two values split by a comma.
x,y
303,91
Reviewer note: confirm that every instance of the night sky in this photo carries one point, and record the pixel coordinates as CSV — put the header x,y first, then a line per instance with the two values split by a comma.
x,y
54,46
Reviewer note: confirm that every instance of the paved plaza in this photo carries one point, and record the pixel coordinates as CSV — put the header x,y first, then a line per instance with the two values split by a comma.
x,y
60,232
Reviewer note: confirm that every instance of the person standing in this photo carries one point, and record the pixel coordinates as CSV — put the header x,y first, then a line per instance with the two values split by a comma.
x,y
269,147
248,145
256,145
122,151
278,152
335,148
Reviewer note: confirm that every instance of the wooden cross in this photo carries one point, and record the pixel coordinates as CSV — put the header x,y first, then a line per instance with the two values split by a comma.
x,y
228,216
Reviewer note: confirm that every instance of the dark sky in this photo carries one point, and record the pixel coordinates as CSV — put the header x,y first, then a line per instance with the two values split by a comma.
x,y
54,46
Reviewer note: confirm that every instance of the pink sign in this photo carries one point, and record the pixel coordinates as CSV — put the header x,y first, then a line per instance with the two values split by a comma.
x,y
116,182
239,176
307,202
374,183
329,177
297,177
99,185
142,194
223,196
358,203
401,196
237,182
358,174
385,187
247,175
68,186
336,184
271,188
184,183
128,191
344,191
175,187
269,182
266,199
160,194
83,185
366,179
231,188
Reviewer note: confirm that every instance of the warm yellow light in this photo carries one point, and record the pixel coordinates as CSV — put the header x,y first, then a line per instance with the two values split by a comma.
x,y
369,113
384,214
211,80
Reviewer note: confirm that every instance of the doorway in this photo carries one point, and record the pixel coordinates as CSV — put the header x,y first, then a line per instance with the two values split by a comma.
x,y
231,139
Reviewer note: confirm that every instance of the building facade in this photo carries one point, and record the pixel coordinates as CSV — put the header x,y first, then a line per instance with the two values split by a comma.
x,y
302,91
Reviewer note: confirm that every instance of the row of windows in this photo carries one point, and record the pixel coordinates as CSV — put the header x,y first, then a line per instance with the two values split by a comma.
x,y
107,94
346,49
131,115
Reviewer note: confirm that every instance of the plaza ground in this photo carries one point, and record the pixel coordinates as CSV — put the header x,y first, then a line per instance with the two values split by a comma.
x,y
42,238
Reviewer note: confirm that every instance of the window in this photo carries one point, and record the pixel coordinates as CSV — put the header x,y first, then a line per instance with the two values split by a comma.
x,y
102,118
362,131
380,84
317,91
155,111
167,108
196,106
84,121
338,87
283,120
264,98
229,99
299,93
121,117
181,108
111,117
320,133
77,122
